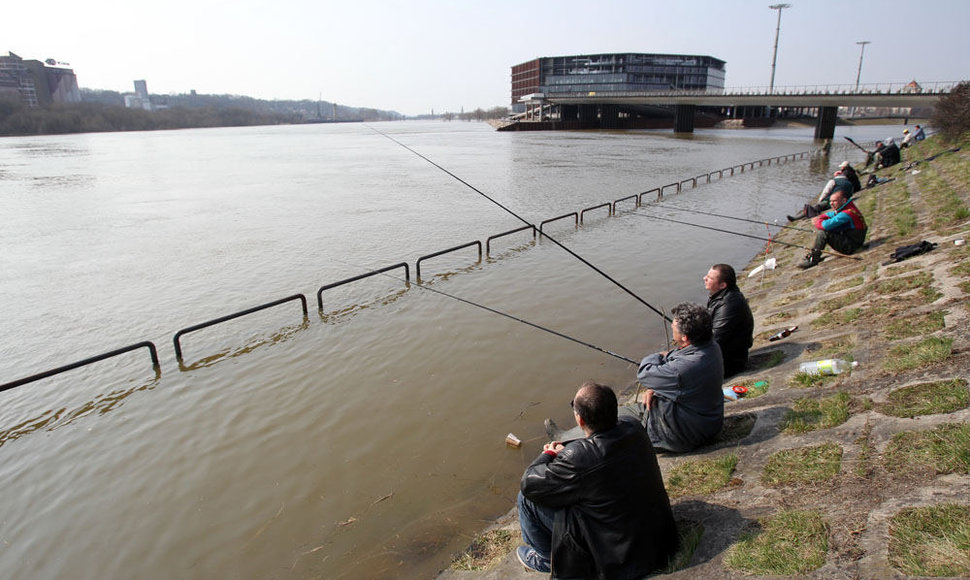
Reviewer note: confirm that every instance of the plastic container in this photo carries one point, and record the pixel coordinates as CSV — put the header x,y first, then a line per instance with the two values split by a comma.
x,y
829,366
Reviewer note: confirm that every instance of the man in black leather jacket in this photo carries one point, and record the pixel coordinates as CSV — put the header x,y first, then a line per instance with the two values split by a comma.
x,y
596,507
731,317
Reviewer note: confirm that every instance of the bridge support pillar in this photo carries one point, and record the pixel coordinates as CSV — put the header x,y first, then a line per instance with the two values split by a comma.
x,y
586,112
825,126
684,122
609,116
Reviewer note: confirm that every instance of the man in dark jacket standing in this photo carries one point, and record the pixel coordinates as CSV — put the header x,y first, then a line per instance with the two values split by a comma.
x,y
596,507
731,317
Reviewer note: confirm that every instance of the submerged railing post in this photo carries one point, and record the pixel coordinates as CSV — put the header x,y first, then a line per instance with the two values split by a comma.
x,y
417,265
609,210
407,279
488,242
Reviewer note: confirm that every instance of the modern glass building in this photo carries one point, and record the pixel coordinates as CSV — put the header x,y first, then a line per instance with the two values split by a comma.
x,y
615,72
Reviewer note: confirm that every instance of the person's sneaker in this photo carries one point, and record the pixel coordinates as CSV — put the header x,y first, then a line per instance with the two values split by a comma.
x,y
791,218
809,261
552,430
531,559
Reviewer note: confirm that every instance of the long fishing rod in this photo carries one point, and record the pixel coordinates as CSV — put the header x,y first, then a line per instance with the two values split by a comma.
x,y
753,237
740,219
849,139
526,222
499,312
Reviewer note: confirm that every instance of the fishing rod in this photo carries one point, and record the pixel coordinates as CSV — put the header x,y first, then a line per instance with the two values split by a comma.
x,y
526,222
740,219
753,237
499,312
849,139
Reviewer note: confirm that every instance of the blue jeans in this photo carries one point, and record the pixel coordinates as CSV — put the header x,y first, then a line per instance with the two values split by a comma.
x,y
536,522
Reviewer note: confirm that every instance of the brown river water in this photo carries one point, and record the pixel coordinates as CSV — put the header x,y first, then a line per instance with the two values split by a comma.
x,y
366,441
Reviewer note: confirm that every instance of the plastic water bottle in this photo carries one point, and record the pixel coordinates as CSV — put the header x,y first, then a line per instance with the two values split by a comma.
x,y
829,366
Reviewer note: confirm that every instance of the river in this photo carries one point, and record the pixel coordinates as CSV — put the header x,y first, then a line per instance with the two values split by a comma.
x,y
364,441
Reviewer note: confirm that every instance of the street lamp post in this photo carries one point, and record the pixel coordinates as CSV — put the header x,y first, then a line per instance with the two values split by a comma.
x,y
774,56
862,53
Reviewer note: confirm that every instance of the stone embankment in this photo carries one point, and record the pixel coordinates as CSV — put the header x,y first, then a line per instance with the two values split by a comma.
x,y
861,308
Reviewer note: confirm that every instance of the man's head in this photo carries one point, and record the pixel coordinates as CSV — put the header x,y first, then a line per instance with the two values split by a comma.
x,y
905,131
843,165
692,324
719,277
595,407
838,199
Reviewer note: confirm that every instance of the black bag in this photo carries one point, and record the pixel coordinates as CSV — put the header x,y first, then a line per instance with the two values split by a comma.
x,y
911,250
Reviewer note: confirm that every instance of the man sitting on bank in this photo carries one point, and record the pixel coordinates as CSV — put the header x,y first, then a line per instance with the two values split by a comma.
x,y
843,228
839,182
596,507
732,322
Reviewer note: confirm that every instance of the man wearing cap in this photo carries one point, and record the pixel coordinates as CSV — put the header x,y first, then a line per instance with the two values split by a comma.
x,y
843,228
839,182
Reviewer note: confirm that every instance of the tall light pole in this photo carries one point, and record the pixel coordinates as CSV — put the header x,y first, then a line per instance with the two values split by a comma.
x,y
862,53
774,56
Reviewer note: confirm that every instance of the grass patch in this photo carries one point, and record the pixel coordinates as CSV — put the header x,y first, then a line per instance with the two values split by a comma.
x,y
904,218
946,206
789,298
914,325
962,269
791,542
863,466
931,540
701,476
928,399
804,284
486,550
964,286
903,283
832,303
736,427
944,449
842,285
899,270
929,351
690,533
803,465
847,316
802,380
814,414
837,347
778,317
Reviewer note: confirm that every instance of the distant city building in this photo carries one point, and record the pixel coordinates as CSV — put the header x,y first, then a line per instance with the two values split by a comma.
x,y
614,72
37,84
140,99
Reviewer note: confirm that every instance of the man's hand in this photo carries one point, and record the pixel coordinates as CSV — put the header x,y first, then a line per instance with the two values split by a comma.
x,y
554,446
647,398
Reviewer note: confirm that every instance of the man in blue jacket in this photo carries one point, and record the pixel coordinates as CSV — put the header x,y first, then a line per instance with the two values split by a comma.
x,y
596,507
843,228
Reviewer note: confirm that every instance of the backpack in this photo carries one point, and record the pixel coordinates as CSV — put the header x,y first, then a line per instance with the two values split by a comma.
x,y
911,250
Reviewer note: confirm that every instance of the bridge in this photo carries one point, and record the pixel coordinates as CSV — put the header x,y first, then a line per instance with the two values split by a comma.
x,y
609,106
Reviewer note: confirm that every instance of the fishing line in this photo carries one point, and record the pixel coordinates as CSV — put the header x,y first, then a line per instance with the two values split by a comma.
x,y
494,311
740,219
526,222
753,237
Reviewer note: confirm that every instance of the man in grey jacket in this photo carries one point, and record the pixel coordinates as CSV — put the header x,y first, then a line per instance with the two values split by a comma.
x,y
683,405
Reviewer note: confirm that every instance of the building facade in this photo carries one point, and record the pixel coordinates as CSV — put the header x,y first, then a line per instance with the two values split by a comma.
x,y
614,72
37,84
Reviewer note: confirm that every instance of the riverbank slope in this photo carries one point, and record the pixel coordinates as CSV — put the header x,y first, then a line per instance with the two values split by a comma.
x,y
894,430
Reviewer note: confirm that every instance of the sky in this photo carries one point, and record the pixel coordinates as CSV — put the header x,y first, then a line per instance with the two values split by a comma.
x,y
421,56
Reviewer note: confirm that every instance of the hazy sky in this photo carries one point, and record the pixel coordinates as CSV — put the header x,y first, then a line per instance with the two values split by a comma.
x,y
420,55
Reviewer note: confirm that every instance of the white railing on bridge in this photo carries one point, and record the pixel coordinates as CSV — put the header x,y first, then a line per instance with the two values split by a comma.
x,y
899,88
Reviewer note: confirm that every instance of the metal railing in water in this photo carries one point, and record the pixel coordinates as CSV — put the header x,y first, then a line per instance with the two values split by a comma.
x,y
577,219
178,335
153,352
407,280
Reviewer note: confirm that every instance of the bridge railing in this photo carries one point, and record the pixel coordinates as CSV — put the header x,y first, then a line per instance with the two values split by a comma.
x,y
894,88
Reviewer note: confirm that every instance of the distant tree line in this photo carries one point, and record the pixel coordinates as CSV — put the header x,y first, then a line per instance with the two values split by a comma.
x,y
105,111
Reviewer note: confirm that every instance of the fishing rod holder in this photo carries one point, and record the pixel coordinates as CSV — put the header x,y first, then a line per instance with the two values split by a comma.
x,y
407,280
608,206
146,344
417,265
574,215
178,335
488,242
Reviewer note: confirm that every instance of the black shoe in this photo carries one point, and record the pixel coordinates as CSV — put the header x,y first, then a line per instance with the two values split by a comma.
x,y
552,430
791,218
810,260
